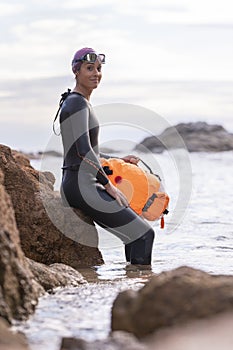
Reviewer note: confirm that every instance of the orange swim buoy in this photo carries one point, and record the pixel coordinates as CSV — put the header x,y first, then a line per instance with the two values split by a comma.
x,y
142,189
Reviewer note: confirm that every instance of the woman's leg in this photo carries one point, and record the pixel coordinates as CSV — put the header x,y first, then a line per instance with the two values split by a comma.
x,y
136,233
140,251
123,222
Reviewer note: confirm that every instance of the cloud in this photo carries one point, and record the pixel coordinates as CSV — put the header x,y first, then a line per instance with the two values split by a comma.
x,y
73,4
159,39
7,9
180,13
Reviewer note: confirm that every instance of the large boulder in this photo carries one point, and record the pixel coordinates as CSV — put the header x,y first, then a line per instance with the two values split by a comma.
x,y
49,232
172,298
18,290
196,137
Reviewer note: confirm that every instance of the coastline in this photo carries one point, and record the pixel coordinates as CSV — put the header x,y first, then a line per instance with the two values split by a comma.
x,y
199,246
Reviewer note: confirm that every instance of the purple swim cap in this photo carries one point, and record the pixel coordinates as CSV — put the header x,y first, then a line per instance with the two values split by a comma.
x,y
80,53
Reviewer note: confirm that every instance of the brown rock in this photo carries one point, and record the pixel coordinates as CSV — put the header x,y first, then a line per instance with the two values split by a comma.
x,y
18,290
117,341
208,334
49,232
10,340
172,297
55,275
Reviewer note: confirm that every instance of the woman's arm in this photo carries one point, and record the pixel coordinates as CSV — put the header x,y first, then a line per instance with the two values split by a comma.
x,y
131,159
128,159
117,194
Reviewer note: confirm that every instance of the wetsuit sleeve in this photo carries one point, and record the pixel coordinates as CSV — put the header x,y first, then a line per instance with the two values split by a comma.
x,y
80,129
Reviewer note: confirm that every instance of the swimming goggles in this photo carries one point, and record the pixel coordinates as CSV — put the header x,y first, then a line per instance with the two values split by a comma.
x,y
92,57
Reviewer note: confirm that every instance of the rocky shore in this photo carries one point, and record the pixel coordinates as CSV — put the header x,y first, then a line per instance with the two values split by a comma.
x,y
34,255
180,309
195,137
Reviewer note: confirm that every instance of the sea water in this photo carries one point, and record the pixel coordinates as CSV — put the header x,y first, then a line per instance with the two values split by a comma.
x,y
202,238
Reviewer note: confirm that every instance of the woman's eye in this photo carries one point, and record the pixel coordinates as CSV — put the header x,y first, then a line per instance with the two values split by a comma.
x,y
99,69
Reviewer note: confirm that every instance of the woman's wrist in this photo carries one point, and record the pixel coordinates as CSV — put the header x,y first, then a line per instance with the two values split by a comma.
x,y
108,185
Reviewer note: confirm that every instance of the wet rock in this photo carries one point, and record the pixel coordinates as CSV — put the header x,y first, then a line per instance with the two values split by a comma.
x,y
117,341
55,275
49,232
196,137
211,334
172,298
18,291
10,340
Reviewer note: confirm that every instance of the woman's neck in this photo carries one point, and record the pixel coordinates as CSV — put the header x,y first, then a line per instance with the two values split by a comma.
x,y
84,92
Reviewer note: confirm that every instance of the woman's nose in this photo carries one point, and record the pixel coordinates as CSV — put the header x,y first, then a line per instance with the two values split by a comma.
x,y
96,72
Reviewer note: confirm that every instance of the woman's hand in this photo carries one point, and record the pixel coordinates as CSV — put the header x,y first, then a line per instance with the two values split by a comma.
x,y
131,159
117,194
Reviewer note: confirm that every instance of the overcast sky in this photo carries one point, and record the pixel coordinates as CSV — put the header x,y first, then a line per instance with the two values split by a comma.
x,y
167,39
184,44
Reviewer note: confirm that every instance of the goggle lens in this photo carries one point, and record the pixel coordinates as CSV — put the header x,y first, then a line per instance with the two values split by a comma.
x,y
92,57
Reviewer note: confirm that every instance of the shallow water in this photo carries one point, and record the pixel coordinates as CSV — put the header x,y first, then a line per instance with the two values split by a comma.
x,y
204,240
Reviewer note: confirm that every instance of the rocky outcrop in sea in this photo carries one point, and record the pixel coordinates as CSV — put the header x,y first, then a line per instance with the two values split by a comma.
x,y
195,137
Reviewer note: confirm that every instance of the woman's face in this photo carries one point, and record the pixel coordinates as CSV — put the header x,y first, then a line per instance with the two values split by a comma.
x,y
89,75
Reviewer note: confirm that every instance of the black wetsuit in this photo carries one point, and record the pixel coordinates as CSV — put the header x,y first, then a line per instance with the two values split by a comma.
x,y
83,180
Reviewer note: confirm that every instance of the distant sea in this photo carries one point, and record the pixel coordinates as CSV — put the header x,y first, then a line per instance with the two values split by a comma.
x,y
28,107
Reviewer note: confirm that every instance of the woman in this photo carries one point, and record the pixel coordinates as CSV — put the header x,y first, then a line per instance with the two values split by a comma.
x,y
85,184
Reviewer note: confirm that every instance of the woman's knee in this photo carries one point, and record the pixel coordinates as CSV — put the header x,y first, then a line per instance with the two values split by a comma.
x,y
149,235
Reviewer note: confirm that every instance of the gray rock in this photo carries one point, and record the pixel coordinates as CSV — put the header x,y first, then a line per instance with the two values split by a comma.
x,y
196,137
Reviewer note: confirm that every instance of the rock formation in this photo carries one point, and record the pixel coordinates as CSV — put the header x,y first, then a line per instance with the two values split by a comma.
x,y
196,137
172,298
22,280
49,232
18,290
210,334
